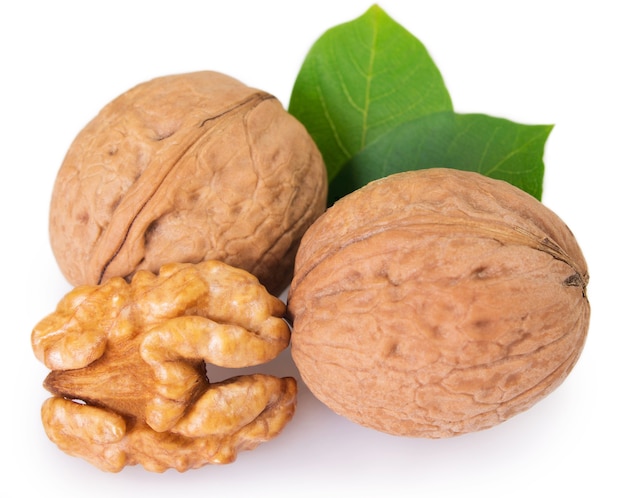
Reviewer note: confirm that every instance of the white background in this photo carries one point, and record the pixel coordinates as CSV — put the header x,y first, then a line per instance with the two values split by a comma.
x,y
530,61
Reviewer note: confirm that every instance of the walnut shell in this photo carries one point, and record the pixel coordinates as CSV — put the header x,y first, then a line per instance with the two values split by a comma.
x,y
437,302
186,168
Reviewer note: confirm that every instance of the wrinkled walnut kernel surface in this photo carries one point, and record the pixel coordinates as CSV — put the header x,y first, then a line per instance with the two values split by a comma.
x,y
437,302
128,368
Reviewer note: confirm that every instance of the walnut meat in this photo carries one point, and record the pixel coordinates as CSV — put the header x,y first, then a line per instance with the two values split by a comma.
x,y
186,168
129,375
438,302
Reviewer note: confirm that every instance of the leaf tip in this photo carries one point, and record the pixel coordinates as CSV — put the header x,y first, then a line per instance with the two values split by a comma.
x,y
375,10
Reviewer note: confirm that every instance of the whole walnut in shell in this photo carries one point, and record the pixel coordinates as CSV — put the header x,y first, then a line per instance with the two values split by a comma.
x,y
437,302
187,168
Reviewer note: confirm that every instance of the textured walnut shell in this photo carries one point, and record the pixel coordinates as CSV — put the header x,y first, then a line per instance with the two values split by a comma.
x,y
437,302
186,168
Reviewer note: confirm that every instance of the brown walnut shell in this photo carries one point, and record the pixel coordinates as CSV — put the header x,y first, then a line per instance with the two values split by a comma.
x,y
187,168
437,302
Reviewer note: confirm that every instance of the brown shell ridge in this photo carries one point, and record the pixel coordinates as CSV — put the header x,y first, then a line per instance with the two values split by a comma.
x,y
502,233
580,278
256,98
147,191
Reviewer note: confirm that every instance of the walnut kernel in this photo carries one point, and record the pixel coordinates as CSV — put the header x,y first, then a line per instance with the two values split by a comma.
x,y
128,368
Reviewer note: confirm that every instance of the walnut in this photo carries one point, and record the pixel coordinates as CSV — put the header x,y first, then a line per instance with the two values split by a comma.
x,y
186,168
129,375
437,302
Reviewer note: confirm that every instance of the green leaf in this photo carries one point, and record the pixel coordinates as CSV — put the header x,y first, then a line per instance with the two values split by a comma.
x,y
495,147
359,81
375,103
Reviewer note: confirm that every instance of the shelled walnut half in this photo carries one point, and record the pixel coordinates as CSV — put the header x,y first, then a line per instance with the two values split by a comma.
x,y
129,374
